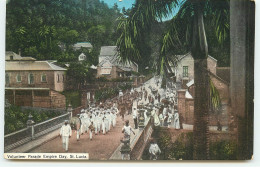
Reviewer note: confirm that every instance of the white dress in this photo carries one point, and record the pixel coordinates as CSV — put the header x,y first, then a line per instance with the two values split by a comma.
x,y
176,123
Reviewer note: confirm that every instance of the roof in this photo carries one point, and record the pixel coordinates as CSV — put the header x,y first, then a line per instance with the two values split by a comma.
x,y
83,44
16,57
190,83
108,51
110,54
31,66
188,95
180,57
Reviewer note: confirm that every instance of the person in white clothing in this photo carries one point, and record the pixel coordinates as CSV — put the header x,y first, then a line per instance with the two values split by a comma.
x,y
127,129
154,150
176,123
135,118
103,125
161,119
154,114
145,115
169,120
65,133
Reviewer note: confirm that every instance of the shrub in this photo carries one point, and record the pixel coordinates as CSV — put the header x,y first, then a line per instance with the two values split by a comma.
x,y
16,118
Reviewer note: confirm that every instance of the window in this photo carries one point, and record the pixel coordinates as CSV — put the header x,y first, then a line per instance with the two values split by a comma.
x,y
7,79
185,71
63,78
58,78
30,79
18,78
44,78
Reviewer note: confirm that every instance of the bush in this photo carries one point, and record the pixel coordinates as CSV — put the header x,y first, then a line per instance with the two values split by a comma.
x,y
182,148
16,118
73,98
107,93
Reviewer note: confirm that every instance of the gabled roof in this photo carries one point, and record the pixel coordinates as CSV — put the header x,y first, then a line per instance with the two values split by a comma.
x,y
180,57
32,66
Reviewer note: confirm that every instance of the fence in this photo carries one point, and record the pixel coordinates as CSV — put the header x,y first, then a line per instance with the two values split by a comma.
x,y
25,135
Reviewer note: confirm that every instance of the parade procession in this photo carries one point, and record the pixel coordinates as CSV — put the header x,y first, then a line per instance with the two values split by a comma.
x,y
149,101
130,79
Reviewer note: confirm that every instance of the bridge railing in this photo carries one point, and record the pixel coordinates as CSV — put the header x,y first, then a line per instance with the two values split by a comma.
x,y
25,135
138,144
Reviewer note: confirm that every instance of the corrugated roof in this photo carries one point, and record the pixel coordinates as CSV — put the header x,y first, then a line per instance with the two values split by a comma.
x,y
31,65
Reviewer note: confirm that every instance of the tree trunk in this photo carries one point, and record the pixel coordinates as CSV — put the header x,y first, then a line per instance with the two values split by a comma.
x,y
242,73
199,52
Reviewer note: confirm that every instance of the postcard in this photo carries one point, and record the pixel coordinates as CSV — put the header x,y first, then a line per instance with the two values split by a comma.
x,y
129,80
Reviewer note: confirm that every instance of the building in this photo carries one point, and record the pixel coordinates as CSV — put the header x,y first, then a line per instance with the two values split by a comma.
x,y
82,45
109,65
33,83
219,76
184,70
82,57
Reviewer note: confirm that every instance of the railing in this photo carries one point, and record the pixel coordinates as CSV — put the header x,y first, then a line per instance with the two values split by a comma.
x,y
138,144
50,125
25,135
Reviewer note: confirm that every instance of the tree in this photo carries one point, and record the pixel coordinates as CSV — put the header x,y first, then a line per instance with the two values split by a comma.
x,y
139,22
78,74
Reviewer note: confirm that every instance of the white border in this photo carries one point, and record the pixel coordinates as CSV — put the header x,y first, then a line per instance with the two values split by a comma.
x,y
255,162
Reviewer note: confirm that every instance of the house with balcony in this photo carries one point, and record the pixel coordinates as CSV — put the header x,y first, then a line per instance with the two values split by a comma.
x,y
33,83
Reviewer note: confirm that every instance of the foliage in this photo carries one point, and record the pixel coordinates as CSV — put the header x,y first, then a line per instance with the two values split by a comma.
x,y
72,97
106,93
136,27
223,150
78,74
16,118
39,27
182,148
215,101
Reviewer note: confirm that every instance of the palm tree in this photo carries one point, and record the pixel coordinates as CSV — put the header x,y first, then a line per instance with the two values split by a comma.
x,y
190,21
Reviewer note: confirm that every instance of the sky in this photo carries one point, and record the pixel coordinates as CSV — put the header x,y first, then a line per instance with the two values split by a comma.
x,y
124,3
128,4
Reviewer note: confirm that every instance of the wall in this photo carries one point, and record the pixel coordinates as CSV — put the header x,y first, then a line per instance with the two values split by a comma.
x,y
212,65
59,80
57,100
186,61
189,61
37,79
52,99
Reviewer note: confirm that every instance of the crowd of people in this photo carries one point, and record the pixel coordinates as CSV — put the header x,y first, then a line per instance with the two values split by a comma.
x,y
100,118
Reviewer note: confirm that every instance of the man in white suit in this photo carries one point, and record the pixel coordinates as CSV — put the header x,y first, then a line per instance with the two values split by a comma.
x,y
65,133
